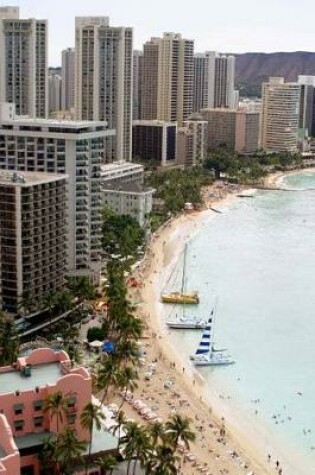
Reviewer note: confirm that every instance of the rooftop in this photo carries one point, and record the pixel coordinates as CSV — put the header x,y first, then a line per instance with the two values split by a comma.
x,y
33,439
120,166
125,187
102,441
41,375
61,123
28,178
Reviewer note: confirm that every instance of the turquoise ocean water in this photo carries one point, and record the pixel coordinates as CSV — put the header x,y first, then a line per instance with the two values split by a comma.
x,y
258,259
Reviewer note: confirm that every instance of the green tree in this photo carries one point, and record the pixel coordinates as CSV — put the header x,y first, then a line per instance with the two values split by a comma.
x,y
120,422
107,464
95,333
9,341
137,445
49,304
47,455
82,288
178,428
69,450
164,461
91,417
122,235
156,431
56,405
63,301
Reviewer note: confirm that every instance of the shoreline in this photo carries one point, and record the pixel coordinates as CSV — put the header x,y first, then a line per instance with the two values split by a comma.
x,y
165,248
251,444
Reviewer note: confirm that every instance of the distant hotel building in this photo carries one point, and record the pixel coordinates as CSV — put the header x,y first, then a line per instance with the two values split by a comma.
x,y
24,424
192,142
23,72
307,105
214,81
104,80
279,116
237,130
33,237
54,92
154,142
137,84
68,79
167,78
74,148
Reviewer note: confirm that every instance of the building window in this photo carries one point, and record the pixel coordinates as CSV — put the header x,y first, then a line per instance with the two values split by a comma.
x,y
19,425
18,409
38,421
71,401
71,418
38,405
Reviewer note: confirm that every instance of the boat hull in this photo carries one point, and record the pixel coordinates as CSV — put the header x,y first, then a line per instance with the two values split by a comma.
x,y
181,298
214,363
186,326
214,359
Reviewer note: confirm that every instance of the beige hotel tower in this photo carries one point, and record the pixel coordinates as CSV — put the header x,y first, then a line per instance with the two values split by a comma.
x,y
104,80
167,78
24,68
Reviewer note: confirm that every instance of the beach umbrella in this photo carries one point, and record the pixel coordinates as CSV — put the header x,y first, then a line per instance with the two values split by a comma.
x,y
108,347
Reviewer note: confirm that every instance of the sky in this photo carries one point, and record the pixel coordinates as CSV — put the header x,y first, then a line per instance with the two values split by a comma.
x,y
234,26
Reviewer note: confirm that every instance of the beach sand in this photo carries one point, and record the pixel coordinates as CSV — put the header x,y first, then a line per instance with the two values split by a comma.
x,y
234,453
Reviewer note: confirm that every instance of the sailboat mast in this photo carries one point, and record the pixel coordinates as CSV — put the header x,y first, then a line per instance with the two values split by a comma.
x,y
184,269
213,322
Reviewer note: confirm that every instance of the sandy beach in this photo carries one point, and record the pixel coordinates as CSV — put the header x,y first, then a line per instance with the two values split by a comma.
x,y
170,385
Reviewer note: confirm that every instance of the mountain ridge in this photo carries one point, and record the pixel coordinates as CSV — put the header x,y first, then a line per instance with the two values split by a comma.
x,y
251,69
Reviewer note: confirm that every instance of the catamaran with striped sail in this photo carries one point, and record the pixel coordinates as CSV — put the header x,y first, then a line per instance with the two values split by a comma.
x,y
206,354
182,296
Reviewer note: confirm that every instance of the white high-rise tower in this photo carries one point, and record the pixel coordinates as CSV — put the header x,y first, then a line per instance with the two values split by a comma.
x,y
24,68
104,80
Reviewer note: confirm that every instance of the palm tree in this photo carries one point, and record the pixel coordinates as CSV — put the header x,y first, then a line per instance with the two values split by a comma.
x,y
47,455
49,304
126,379
120,421
68,450
137,445
106,375
56,405
126,350
91,414
130,327
107,464
177,428
156,431
63,301
9,341
82,288
164,461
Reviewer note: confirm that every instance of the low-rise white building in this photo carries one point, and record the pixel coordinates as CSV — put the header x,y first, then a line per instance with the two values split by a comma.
x,y
122,172
130,199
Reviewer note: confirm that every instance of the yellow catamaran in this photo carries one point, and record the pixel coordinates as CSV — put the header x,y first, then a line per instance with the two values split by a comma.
x,y
181,297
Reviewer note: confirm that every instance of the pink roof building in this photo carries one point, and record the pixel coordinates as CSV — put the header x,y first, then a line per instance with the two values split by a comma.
x,y
24,425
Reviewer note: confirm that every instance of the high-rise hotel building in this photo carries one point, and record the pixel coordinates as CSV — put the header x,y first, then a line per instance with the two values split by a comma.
x,y
279,115
214,81
167,78
32,238
74,148
104,80
68,79
23,72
